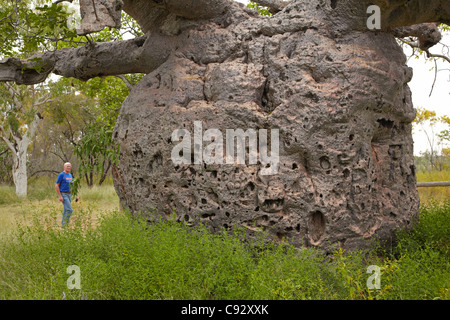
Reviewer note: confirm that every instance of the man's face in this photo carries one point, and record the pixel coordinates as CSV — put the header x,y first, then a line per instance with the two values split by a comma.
x,y
67,168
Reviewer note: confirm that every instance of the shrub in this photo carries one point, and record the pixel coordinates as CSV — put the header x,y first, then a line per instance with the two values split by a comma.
x,y
123,258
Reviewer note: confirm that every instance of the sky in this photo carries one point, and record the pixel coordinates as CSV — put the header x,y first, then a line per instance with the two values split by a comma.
x,y
421,84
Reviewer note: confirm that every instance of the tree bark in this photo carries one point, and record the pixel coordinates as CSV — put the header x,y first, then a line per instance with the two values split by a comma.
x,y
337,92
20,169
92,60
427,34
104,172
162,21
401,13
96,15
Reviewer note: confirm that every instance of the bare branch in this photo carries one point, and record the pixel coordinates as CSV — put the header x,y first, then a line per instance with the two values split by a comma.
x,y
59,1
111,58
125,80
427,34
45,170
4,136
4,151
434,55
14,94
435,77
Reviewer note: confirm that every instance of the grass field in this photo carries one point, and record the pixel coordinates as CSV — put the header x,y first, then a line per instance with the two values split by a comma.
x,y
43,200
121,258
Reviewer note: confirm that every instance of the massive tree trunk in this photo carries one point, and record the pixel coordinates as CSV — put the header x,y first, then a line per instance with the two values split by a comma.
x,y
336,91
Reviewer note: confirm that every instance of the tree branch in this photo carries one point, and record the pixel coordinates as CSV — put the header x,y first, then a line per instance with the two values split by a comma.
x,y
435,77
399,13
44,170
14,94
193,9
140,55
98,14
23,72
97,59
151,14
59,1
427,34
4,136
434,55
4,151
62,158
125,80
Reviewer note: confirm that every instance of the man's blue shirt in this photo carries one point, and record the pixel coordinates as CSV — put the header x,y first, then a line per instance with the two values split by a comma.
x,y
64,180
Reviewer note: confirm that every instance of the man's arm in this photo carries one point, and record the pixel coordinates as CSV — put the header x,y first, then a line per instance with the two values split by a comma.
x,y
58,192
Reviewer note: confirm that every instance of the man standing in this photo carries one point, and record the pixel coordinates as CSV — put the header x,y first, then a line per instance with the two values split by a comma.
x,y
63,189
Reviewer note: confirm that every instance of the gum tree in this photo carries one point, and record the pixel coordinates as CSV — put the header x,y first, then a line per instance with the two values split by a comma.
x,y
26,28
336,89
19,117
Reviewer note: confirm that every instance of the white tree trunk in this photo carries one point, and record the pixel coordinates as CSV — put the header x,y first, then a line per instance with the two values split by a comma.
x,y
19,151
19,169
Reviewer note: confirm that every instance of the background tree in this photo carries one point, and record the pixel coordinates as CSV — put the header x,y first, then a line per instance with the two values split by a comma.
x,y
261,9
26,27
427,120
74,119
5,165
64,122
20,108
80,123
418,47
444,137
96,150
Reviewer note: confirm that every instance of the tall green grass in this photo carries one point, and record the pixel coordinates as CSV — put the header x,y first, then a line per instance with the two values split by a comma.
x,y
121,258
43,198
43,188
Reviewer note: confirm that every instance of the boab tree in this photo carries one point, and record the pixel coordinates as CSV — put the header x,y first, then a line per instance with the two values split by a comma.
x,y
335,89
